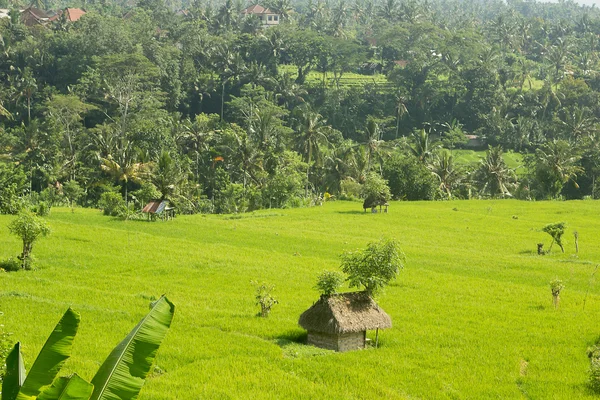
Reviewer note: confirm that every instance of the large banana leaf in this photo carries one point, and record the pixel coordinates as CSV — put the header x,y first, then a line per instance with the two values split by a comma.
x,y
15,374
52,356
68,388
122,375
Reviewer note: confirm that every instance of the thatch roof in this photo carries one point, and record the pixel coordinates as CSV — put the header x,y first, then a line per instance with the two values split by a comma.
x,y
344,313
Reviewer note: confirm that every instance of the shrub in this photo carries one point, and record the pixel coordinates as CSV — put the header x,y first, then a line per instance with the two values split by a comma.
x,y
10,264
29,228
556,230
556,286
112,204
350,189
41,209
409,179
328,282
374,267
593,353
264,298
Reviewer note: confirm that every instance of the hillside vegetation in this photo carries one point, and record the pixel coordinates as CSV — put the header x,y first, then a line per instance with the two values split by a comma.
x,y
472,311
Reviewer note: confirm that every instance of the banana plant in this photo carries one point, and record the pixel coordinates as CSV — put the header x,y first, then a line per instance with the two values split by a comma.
x,y
47,365
120,377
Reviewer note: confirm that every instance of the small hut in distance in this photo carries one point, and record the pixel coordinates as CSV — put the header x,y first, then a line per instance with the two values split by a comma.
x,y
340,322
159,208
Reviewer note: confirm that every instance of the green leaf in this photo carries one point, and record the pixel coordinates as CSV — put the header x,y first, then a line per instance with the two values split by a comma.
x,y
15,374
52,356
68,388
122,374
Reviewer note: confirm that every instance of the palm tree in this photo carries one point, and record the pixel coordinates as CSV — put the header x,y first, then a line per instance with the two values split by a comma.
x,y
197,135
375,147
444,168
167,175
311,134
493,175
579,122
388,10
422,148
122,166
556,164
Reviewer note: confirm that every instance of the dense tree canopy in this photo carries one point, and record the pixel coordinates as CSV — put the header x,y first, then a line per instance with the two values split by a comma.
x,y
203,105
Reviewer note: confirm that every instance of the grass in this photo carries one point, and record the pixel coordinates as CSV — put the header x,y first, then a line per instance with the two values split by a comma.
x,y
472,157
472,311
348,79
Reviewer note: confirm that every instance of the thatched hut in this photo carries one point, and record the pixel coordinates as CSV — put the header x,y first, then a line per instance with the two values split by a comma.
x,y
340,322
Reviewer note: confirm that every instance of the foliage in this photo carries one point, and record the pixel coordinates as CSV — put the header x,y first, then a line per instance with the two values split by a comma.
x,y
556,231
12,186
112,204
328,282
264,297
73,192
556,286
29,228
375,267
409,179
593,353
375,191
121,375
11,264
5,347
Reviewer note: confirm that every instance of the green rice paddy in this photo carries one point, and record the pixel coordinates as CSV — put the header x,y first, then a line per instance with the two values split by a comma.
x,y
472,311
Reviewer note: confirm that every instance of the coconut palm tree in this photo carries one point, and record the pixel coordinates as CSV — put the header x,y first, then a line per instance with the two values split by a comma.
x,y
311,134
445,169
493,175
123,165
557,164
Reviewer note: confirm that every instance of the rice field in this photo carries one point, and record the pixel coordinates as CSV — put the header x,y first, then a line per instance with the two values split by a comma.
x,y
472,310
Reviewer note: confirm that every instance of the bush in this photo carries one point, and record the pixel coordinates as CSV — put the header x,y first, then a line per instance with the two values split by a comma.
x,y
373,268
593,354
350,189
29,228
41,209
112,204
264,298
409,179
328,282
10,264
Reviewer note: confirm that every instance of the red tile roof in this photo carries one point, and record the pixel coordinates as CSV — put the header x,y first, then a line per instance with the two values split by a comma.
x,y
73,14
257,9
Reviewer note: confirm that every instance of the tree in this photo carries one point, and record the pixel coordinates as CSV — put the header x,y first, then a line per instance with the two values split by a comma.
x,y
444,168
493,175
312,134
66,112
328,282
375,191
72,192
555,165
556,231
166,175
409,179
29,228
373,268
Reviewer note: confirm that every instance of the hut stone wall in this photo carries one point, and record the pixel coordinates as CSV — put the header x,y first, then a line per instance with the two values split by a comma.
x,y
341,342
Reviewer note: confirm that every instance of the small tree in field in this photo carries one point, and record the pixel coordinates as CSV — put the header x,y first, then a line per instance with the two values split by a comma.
x,y
374,267
29,228
556,286
556,230
375,191
264,298
328,282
